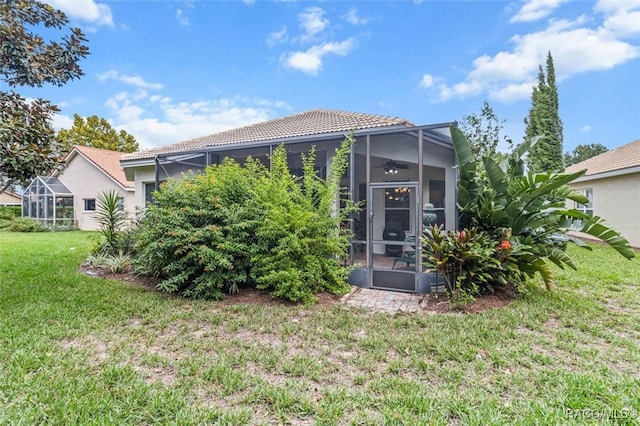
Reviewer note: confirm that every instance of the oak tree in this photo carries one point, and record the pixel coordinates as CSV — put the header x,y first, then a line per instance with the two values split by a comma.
x,y
96,132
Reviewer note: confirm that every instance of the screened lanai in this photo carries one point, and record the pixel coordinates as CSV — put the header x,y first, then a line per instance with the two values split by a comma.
x,y
402,175
48,200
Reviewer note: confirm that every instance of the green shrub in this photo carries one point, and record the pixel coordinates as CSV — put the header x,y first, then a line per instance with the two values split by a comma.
x,y
472,261
300,241
230,226
10,212
199,234
25,224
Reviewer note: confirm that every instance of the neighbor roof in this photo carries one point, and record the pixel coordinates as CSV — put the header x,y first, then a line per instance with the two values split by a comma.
x,y
624,157
106,160
314,122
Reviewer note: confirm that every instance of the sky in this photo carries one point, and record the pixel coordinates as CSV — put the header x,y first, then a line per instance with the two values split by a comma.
x,y
168,71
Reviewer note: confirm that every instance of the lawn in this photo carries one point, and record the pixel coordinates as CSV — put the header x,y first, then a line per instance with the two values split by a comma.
x,y
76,349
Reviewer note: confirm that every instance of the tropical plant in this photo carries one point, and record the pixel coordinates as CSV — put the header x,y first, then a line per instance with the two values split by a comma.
x,y
111,218
493,197
471,261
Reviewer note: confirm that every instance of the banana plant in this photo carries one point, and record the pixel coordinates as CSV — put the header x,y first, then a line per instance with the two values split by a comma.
x,y
494,196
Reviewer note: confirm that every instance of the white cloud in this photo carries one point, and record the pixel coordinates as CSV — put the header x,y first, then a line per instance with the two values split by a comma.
x,y
577,46
87,11
310,61
159,120
61,121
353,18
312,22
182,18
132,80
534,10
427,81
278,37
585,128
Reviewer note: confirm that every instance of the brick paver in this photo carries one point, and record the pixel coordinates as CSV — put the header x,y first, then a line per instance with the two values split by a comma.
x,y
390,302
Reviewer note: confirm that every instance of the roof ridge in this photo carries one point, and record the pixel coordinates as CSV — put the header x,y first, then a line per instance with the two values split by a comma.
x,y
622,157
306,123
82,149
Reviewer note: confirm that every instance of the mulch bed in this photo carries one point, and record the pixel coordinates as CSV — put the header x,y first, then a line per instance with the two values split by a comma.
x,y
252,296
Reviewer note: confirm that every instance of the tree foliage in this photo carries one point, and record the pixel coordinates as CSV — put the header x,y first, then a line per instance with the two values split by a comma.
x,y
483,131
96,132
584,152
27,142
544,120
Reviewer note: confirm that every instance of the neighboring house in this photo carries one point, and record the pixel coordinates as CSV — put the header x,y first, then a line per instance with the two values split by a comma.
x,y
68,196
397,167
612,184
9,198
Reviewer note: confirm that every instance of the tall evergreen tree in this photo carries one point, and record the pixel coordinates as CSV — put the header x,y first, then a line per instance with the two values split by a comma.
x,y
544,119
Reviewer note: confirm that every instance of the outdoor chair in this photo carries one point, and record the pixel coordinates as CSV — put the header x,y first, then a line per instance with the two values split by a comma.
x,y
408,257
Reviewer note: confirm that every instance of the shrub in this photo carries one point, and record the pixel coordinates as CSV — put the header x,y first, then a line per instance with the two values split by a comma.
x,y
10,212
25,224
229,226
199,234
300,241
471,261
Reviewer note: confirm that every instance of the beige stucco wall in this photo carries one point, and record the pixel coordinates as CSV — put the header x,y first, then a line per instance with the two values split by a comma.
x,y
7,199
85,180
617,200
142,175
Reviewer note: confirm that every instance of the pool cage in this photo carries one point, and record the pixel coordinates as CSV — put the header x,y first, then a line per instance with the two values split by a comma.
x,y
48,200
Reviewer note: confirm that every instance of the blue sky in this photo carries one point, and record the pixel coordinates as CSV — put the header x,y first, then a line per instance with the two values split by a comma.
x,y
167,71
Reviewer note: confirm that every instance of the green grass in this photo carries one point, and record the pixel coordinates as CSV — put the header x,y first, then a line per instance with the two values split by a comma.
x,y
75,349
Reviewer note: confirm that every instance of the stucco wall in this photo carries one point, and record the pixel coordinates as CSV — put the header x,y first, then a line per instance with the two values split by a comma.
x,y
85,181
143,175
617,200
7,199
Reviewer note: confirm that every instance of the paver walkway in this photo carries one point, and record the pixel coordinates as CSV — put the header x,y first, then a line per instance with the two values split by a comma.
x,y
390,302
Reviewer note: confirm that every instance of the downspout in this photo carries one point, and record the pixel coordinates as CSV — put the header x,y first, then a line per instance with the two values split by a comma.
x,y
157,172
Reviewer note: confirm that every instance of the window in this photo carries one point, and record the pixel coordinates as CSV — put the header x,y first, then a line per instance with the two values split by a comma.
x,y
89,204
586,208
148,191
397,205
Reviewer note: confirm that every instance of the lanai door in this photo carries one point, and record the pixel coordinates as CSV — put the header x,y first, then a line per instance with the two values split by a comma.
x,y
392,233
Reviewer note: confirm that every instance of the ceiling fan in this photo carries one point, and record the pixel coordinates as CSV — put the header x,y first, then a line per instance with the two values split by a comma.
x,y
391,167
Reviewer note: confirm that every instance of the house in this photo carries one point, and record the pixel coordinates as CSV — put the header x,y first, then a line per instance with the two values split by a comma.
x,y
9,198
396,168
68,196
612,184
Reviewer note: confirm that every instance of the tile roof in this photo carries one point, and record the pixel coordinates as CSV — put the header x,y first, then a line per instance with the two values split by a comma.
x,y
314,122
106,160
624,157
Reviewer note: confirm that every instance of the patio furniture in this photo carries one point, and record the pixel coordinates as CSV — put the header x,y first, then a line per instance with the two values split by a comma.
x,y
393,232
408,257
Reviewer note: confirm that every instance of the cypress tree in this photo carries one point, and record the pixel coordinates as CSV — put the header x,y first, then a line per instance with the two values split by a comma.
x,y
544,119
